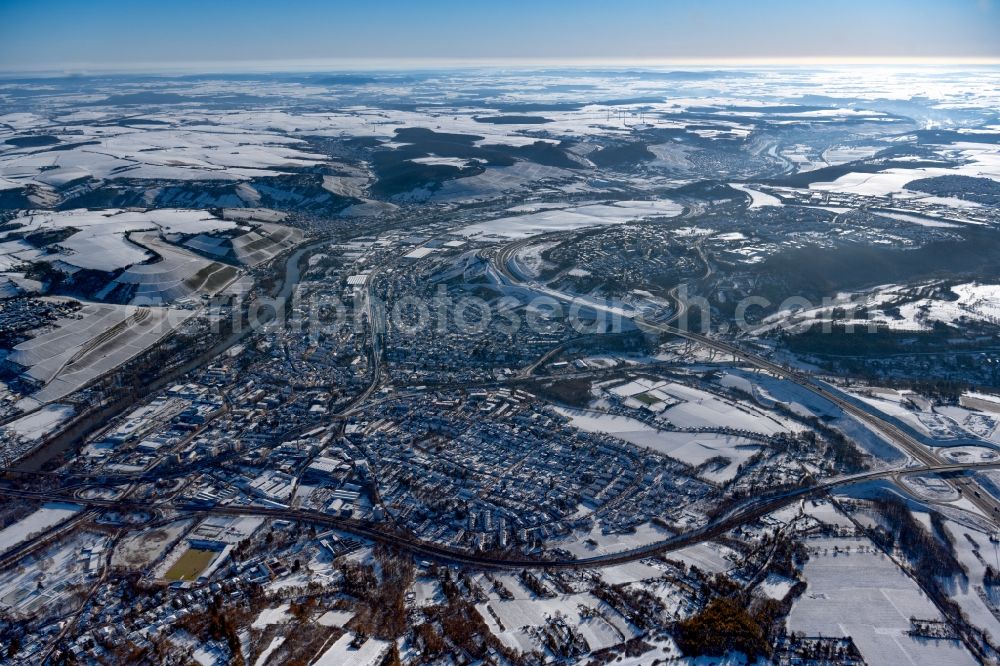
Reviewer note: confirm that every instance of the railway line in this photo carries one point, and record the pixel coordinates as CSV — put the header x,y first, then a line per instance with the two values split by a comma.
x,y
927,462
380,533
979,497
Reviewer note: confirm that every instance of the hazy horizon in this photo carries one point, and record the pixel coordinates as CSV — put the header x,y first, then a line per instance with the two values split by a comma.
x,y
292,67
183,35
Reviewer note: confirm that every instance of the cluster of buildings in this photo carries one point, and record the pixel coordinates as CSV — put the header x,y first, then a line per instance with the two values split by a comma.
x,y
493,470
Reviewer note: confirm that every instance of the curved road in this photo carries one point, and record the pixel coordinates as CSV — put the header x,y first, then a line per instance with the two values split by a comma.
x,y
745,513
979,497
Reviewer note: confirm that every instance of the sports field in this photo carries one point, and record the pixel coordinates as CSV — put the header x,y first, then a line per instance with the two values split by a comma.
x,y
190,565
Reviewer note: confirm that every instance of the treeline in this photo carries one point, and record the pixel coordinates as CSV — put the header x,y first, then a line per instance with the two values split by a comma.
x,y
638,606
845,455
381,612
537,587
725,625
733,618
858,341
931,559
216,623
457,627
573,392
931,556
788,556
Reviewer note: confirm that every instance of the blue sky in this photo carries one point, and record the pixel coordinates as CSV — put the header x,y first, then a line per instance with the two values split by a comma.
x,y
77,34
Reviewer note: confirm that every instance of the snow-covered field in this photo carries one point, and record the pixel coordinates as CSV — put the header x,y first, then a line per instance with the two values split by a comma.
x,y
189,137
269,616
41,520
701,409
974,550
975,301
604,544
101,242
758,199
265,654
265,243
687,407
933,422
970,454
48,578
178,275
334,618
930,487
97,339
113,239
566,219
602,629
775,586
141,549
154,152
981,160
691,448
863,594
342,654
707,556
35,426
19,436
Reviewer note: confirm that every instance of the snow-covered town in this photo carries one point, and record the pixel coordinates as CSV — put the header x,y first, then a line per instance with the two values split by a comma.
x,y
500,365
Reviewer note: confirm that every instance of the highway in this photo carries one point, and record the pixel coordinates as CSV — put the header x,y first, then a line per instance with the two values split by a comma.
x,y
979,497
927,462
55,445
381,533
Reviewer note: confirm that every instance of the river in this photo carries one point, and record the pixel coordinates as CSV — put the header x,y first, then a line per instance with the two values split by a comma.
x,y
79,428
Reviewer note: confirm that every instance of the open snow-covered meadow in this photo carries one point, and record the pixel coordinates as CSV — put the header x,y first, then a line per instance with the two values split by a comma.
x,y
855,590
208,462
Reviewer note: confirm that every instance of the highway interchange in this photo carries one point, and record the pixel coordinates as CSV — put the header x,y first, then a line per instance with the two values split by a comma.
x,y
926,461
745,513
982,500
